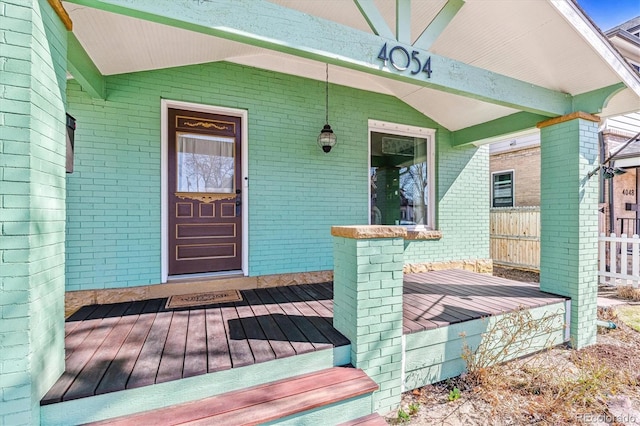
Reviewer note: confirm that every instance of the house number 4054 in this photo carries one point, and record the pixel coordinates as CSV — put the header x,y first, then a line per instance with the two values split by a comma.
x,y
402,60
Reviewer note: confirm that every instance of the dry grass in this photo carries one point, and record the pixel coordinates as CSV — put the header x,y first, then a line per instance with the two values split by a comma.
x,y
628,292
557,386
543,387
630,315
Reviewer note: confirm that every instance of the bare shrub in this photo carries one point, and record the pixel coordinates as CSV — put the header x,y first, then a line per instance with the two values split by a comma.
x,y
513,335
628,292
547,388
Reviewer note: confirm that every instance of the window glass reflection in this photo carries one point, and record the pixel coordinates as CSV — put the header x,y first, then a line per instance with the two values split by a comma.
x,y
399,180
205,163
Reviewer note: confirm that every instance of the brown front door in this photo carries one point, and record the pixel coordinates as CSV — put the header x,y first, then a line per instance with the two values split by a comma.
x,y
205,222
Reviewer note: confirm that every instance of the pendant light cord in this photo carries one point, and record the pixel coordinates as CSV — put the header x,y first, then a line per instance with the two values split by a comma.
x,y
326,86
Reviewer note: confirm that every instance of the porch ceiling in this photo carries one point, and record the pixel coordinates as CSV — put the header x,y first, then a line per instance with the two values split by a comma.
x,y
498,36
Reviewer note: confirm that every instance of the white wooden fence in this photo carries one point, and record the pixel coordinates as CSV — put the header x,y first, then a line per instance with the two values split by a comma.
x,y
619,260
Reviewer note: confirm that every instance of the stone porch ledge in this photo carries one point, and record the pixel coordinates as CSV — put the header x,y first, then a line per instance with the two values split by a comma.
x,y
364,232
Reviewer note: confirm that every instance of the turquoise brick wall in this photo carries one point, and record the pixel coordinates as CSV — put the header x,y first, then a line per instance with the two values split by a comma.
x,y
296,192
368,310
462,207
569,221
32,206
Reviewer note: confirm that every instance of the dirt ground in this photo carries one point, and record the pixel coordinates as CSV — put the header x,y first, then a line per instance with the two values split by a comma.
x,y
597,385
516,274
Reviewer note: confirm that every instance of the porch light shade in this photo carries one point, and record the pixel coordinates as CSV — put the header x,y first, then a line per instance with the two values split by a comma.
x,y
327,139
609,172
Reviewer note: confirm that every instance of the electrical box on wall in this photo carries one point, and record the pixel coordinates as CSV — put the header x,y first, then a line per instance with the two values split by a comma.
x,y
71,128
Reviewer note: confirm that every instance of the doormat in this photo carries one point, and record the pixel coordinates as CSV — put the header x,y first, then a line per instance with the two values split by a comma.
x,y
199,299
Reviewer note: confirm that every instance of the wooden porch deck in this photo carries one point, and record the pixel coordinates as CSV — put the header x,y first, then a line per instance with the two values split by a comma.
x,y
128,345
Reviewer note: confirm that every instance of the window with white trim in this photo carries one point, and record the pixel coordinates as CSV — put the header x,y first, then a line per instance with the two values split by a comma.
x,y
502,189
401,175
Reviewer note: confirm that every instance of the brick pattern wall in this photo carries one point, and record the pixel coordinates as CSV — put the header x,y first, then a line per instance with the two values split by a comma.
x,y
462,208
525,164
296,192
32,206
368,310
569,221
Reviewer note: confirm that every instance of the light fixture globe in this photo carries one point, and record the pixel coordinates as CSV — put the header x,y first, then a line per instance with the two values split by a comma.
x,y
327,139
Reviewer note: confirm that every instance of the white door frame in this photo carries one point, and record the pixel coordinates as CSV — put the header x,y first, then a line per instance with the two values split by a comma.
x,y
165,104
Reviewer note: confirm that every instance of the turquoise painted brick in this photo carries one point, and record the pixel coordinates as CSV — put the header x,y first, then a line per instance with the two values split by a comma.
x,y
569,221
32,182
368,267
364,312
133,111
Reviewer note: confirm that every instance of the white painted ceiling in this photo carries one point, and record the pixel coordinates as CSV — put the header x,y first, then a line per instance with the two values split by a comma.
x,y
524,39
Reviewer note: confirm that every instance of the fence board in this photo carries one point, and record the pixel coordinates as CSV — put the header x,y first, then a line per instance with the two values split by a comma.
x,y
616,266
515,237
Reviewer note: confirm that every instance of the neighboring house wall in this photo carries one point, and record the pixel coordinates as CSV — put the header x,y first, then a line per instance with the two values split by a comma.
x,y
624,187
525,164
33,42
296,192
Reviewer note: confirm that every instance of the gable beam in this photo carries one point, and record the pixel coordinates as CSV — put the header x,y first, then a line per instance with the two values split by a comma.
x,y
83,69
492,129
374,18
265,24
439,23
403,21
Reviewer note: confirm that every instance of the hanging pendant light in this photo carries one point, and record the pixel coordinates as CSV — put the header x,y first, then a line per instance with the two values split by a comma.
x,y
327,139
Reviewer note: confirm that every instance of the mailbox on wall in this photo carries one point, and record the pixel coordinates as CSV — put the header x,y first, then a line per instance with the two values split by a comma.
x,y
71,128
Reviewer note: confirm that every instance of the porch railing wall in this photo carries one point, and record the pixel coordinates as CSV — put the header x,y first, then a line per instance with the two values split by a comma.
x,y
619,260
515,237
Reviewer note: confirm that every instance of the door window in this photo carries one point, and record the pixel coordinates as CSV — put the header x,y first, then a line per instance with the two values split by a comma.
x,y
205,163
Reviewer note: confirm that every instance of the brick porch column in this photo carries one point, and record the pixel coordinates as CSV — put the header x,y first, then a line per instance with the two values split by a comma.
x,y
367,305
569,218
32,206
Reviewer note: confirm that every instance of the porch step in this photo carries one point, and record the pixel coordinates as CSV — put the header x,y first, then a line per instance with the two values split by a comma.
x,y
328,396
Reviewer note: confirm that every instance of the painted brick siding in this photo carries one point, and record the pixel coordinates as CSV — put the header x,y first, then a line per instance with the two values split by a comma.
x,y
368,310
463,207
569,221
32,206
296,192
525,164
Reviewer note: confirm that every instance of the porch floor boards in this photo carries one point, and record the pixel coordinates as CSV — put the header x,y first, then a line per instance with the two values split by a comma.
x,y
122,346
441,298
